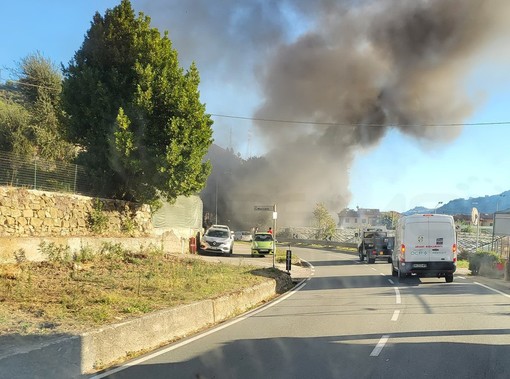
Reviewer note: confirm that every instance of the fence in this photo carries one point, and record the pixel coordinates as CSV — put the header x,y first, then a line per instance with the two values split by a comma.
x,y
40,174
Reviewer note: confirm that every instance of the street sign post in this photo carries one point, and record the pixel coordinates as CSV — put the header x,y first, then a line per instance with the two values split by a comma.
x,y
264,207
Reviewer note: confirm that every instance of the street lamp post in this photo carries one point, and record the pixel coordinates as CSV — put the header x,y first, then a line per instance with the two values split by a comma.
x,y
438,204
216,203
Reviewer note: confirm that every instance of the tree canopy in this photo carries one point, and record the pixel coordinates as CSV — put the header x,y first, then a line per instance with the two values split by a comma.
x,y
135,112
324,222
31,118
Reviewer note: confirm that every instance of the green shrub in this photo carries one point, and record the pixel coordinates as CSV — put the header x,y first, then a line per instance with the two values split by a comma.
x,y
98,220
483,261
56,253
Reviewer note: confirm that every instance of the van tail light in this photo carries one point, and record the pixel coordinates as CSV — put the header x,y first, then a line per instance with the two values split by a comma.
x,y
454,251
402,253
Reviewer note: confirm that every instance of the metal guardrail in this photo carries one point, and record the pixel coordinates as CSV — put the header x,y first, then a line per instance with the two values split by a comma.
x,y
40,174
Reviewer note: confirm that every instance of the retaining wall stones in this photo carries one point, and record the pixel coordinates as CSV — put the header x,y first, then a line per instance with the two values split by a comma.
x,y
28,213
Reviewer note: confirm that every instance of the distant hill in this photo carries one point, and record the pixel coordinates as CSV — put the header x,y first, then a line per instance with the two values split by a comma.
x,y
484,204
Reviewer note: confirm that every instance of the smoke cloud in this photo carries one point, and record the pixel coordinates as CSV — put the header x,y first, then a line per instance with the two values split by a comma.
x,y
352,69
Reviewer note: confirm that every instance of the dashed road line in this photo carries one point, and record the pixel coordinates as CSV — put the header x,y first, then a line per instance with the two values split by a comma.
x,y
380,345
397,295
460,277
395,315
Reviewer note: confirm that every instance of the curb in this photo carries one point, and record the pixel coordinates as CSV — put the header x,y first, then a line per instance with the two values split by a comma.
x,y
75,356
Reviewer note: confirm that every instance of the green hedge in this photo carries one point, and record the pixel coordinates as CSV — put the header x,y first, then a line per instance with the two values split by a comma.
x,y
483,260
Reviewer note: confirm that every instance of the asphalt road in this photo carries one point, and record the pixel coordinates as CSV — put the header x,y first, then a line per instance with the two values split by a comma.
x,y
350,320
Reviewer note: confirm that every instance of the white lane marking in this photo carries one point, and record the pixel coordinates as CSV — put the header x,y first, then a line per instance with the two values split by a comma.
x,y
391,281
492,289
459,277
379,346
373,268
397,295
205,334
395,315
382,274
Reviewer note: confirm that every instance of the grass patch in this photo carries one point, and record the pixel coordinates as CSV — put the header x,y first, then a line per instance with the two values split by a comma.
x,y
462,263
80,292
281,256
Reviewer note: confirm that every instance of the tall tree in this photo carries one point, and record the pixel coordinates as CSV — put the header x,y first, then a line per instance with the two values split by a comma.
x,y
136,113
31,118
324,222
40,83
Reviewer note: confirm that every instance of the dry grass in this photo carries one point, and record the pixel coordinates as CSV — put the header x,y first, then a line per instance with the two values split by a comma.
x,y
76,293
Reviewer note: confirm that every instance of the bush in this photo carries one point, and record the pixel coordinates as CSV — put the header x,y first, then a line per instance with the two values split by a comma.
x,y
463,254
98,220
484,262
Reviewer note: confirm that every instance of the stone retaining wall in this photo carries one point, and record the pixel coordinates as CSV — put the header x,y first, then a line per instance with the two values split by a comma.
x,y
29,213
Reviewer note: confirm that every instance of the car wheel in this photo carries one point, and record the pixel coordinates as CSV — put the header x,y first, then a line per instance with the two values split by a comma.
x,y
448,278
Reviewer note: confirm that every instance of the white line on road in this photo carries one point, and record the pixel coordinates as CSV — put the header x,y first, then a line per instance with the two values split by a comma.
x,y
492,289
379,346
382,274
397,295
395,315
373,268
460,277
391,281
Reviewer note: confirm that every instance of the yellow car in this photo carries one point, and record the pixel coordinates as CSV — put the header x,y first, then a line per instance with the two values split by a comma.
x,y
262,244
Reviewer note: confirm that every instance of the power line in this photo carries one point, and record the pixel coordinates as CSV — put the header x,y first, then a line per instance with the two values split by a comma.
x,y
359,124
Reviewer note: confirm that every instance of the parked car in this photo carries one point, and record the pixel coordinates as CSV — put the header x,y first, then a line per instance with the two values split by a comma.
x,y
262,244
243,236
246,236
217,240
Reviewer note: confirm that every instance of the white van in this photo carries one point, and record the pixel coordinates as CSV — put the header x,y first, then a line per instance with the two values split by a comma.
x,y
425,245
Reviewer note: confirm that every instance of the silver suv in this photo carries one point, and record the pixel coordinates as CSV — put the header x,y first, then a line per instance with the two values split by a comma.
x,y
217,240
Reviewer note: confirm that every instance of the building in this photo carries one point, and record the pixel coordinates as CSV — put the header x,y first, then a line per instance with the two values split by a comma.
x,y
359,218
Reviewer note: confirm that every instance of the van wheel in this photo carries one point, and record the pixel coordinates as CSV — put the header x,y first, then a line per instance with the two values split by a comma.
x,y
361,257
448,278
394,272
401,275
390,260
371,260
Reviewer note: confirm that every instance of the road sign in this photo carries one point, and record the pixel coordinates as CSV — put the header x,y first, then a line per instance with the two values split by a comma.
x,y
263,208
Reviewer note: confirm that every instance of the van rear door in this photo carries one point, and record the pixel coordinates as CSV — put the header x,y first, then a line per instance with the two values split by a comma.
x,y
441,240
416,236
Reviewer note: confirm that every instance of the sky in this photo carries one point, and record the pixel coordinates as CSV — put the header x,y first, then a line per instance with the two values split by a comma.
x,y
286,60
